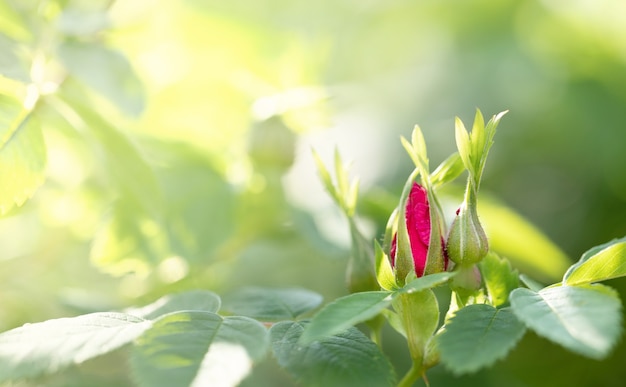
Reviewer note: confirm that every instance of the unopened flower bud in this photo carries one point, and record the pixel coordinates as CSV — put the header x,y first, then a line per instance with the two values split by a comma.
x,y
467,242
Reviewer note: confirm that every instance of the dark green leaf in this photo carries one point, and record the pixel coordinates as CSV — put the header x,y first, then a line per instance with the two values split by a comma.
x,y
478,335
198,349
583,319
51,345
347,359
344,313
600,263
200,300
271,304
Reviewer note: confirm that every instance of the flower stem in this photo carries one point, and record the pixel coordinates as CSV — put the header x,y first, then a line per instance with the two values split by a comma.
x,y
414,373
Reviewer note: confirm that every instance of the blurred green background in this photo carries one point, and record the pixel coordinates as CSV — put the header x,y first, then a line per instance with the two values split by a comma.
x,y
179,136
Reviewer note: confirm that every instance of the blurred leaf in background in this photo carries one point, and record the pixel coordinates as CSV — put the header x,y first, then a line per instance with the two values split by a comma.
x,y
174,139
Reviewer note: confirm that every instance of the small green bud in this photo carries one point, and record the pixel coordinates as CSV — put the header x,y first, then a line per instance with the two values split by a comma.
x,y
467,241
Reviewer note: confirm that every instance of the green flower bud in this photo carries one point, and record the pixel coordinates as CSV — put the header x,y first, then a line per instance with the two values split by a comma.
x,y
467,242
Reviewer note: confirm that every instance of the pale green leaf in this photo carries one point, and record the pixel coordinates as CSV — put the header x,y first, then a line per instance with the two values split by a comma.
x,y
384,271
198,349
427,282
325,177
478,140
22,155
408,147
271,304
499,278
128,240
600,263
80,22
201,300
463,144
344,313
51,345
106,71
447,171
342,177
346,359
12,64
583,319
478,335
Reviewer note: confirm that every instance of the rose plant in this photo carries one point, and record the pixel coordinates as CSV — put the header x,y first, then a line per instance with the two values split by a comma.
x,y
199,338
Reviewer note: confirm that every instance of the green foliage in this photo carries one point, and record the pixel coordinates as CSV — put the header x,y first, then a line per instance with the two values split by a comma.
x,y
584,319
22,154
499,278
271,304
51,345
600,263
477,336
200,300
105,70
447,171
384,271
346,359
427,282
344,313
198,348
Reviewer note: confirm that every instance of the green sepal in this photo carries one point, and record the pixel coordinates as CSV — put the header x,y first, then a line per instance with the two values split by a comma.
x,y
403,263
384,271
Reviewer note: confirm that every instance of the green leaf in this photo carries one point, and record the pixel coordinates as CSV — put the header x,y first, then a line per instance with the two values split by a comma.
x,y
600,263
271,304
478,140
125,164
106,71
198,349
22,155
447,171
48,346
583,319
12,65
342,177
427,282
80,22
463,144
499,278
384,271
344,313
346,359
325,177
128,240
531,283
201,300
478,335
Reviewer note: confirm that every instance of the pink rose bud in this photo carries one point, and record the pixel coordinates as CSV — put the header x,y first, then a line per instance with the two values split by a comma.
x,y
418,224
